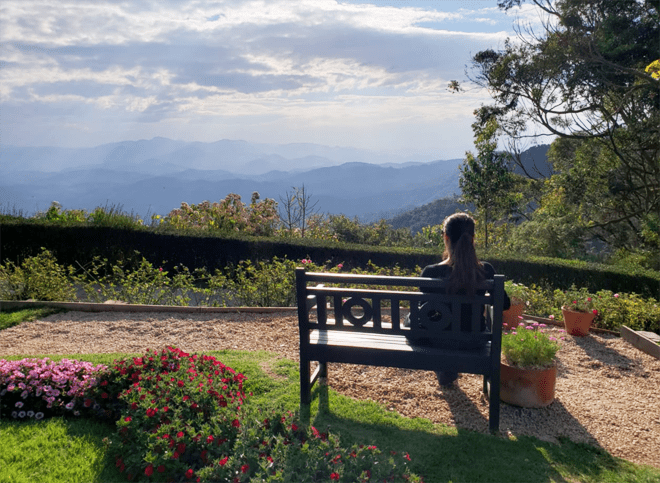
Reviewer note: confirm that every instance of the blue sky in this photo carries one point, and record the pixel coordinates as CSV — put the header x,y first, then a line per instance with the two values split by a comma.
x,y
365,74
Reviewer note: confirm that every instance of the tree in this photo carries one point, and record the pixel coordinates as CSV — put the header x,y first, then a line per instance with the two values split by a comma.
x,y
296,210
485,179
590,78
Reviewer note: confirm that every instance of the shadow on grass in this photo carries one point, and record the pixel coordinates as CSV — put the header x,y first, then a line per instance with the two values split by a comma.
x,y
445,454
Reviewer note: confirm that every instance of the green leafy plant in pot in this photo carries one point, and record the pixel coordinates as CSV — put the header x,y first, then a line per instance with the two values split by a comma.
x,y
519,295
528,372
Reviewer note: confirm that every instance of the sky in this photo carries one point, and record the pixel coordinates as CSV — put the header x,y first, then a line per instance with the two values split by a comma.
x,y
368,74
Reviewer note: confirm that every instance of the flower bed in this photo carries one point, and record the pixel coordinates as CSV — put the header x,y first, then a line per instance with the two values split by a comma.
x,y
183,417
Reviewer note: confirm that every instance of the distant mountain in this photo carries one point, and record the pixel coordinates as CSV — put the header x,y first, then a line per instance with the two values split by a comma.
x,y
155,176
159,155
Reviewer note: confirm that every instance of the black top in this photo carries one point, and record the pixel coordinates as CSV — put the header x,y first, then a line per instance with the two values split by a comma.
x,y
444,271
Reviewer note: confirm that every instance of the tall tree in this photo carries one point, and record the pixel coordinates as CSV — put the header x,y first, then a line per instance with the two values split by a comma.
x,y
585,78
485,179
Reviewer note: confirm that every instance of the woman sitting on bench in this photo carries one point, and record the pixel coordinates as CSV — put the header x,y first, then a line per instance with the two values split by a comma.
x,y
462,270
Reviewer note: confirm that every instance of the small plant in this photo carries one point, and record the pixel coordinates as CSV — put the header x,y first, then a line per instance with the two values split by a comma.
x,y
38,388
578,300
518,292
529,346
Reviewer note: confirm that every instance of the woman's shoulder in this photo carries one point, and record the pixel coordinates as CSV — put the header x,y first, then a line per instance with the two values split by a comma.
x,y
438,270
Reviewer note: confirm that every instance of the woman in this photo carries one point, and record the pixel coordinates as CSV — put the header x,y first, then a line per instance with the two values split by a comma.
x,y
462,269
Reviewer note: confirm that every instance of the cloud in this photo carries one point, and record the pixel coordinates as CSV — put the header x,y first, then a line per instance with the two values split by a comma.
x,y
166,66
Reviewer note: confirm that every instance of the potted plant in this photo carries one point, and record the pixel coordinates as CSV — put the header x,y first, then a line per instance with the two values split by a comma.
x,y
578,311
519,295
528,371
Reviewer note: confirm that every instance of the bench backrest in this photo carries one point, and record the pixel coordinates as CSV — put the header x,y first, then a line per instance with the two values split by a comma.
x,y
333,301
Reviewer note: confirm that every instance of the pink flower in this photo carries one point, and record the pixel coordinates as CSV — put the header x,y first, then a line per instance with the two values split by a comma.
x,y
552,317
616,295
595,311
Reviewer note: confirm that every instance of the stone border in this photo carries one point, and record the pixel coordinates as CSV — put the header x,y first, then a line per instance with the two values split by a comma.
x,y
123,307
641,341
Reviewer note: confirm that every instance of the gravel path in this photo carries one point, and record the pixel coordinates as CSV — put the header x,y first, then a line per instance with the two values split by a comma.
x,y
606,395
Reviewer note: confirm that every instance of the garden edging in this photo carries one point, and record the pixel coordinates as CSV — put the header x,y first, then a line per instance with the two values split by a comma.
x,y
123,307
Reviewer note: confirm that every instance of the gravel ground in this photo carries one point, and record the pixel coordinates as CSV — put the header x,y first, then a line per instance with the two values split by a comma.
x,y
606,394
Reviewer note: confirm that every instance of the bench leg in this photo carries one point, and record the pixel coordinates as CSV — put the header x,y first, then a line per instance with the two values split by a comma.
x,y
494,403
305,383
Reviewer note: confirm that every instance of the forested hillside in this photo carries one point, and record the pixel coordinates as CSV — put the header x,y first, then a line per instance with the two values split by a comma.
x,y
430,214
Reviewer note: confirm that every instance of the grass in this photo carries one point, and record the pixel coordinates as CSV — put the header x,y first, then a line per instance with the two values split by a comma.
x,y
72,450
10,318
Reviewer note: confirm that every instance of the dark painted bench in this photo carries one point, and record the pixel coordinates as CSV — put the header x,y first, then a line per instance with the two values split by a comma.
x,y
342,320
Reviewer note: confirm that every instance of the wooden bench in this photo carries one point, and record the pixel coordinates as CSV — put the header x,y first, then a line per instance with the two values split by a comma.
x,y
342,318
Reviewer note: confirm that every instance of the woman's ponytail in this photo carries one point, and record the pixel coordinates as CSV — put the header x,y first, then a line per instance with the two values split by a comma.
x,y
467,271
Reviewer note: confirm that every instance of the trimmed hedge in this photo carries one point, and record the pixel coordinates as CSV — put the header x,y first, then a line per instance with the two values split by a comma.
x,y
80,244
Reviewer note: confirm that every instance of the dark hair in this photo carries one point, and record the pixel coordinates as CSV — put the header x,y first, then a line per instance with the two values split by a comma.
x,y
467,270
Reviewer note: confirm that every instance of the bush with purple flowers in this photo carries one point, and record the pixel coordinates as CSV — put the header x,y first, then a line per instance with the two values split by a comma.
x,y
37,388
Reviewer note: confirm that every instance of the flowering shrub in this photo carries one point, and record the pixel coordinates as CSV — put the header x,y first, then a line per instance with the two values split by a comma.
x,y
178,413
632,310
529,346
280,448
37,388
184,418
231,214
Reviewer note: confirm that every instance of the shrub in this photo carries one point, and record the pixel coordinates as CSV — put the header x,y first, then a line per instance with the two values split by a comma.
x,y
38,388
39,277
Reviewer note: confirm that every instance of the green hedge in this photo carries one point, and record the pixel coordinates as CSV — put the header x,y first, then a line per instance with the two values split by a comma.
x,y
71,244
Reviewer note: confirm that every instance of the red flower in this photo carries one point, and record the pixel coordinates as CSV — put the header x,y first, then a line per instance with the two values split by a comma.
x,y
209,440
189,473
407,456
134,406
179,434
180,383
104,383
151,412
235,423
223,461
294,427
334,476
128,419
175,455
149,470
245,468
160,469
104,395
181,448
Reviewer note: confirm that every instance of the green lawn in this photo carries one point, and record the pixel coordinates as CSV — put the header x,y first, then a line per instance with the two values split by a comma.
x,y
59,450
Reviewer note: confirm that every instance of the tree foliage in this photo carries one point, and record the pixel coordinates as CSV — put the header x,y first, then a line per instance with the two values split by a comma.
x,y
485,179
588,79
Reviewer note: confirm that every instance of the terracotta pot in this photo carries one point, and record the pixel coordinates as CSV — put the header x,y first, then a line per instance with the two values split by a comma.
x,y
527,388
510,317
577,323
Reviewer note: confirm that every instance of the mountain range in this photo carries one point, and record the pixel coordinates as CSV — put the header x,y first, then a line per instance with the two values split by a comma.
x,y
154,176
